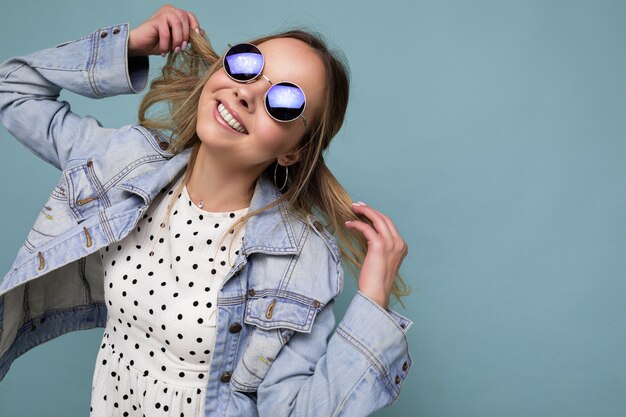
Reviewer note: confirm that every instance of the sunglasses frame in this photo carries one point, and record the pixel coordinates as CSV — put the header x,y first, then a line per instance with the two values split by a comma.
x,y
260,74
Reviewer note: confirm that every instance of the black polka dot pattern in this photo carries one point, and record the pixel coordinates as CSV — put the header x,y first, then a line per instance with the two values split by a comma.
x,y
161,288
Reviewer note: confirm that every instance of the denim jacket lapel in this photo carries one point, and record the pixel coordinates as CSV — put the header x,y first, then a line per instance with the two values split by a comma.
x,y
270,231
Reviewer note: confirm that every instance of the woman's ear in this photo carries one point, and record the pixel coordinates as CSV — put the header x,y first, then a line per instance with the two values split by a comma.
x,y
289,159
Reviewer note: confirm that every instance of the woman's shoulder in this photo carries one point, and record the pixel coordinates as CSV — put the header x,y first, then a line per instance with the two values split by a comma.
x,y
151,139
319,238
317,270
130,141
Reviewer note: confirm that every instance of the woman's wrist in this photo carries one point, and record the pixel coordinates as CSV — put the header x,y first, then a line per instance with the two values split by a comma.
x,y
379,299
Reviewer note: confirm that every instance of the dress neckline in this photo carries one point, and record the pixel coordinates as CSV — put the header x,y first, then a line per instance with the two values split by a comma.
x,y
214,214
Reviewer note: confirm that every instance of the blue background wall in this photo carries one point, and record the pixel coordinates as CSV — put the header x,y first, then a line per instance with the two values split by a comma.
x,y
491,132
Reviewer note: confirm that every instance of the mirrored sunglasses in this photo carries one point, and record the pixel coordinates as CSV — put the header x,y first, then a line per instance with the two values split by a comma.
x,y
284,101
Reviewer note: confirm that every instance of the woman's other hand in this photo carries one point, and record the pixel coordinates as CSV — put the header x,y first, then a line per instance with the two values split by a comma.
x,y
167,29
385,251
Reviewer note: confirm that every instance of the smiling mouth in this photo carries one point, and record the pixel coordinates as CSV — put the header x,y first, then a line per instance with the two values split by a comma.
x,y
230,120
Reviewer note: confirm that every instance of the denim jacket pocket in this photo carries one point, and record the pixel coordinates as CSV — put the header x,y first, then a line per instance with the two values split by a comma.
x,y
85,191
290,311
275,319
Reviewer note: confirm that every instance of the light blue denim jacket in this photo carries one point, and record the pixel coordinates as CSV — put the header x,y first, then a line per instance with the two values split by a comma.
x,y
277,300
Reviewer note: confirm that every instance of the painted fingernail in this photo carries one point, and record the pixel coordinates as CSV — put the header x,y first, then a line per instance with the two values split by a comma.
x,y
358,203
184,45
177,49
197,30
349,221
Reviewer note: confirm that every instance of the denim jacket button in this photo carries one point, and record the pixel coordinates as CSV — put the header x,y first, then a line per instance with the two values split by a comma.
x,y
103,34
163,145
251,293
116,31
397,379
235,328
318,226
405,366
316,304
225,377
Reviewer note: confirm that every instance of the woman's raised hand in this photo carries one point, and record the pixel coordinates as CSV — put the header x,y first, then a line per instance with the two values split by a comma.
x,y
167,29
385,251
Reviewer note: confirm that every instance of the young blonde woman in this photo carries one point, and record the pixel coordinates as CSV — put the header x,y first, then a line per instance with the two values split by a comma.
x,y
195,238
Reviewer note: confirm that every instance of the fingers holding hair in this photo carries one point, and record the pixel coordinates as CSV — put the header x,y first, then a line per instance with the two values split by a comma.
x,y
386,232
174,29
180,29
193,23
380,225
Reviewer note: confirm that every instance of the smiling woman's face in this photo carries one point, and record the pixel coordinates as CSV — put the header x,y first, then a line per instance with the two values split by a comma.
x,y
265,139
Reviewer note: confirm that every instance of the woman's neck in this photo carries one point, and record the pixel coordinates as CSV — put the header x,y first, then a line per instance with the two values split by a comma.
x,y
219,187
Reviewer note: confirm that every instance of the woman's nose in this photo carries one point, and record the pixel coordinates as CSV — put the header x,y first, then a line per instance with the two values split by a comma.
x,y
243,100
251,94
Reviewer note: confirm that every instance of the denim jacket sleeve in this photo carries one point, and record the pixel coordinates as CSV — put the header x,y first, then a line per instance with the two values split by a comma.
x,y
354,372
96,66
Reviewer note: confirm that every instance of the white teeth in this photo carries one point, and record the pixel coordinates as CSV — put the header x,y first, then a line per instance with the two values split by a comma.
x,y
228,118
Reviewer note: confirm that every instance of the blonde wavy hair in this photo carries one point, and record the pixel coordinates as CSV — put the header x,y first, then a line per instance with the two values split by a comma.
x,y
310,186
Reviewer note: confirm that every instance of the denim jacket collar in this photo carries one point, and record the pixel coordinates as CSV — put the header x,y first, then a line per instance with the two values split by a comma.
x,y
269,231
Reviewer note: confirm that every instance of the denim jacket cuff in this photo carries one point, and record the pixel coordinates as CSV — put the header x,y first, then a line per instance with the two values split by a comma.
x,y
380,335
104,56
114,71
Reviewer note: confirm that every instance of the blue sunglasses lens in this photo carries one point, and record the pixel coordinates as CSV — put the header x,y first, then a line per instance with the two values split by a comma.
x,y
285,101
243,62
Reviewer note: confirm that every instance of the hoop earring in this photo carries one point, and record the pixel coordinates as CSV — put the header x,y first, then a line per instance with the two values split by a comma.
x,y
286,176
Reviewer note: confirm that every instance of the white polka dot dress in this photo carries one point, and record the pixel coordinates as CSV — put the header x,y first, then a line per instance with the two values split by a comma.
x,y
161,284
